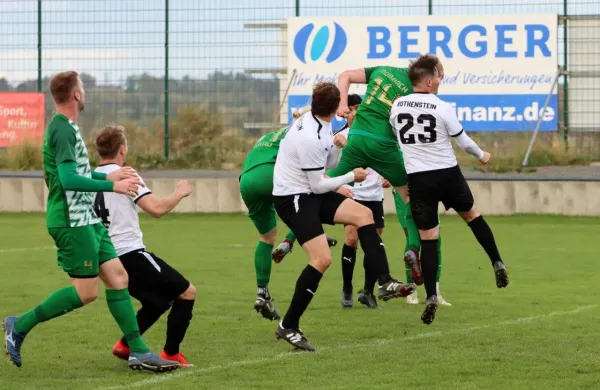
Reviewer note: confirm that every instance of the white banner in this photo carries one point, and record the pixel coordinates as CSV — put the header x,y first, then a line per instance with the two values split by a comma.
x,y
498,68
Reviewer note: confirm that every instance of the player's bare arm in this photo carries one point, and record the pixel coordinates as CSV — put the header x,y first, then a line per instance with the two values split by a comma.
x,y
355,76
157,207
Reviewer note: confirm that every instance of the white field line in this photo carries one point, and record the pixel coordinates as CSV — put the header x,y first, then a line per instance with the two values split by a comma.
x,y
39,248
199,371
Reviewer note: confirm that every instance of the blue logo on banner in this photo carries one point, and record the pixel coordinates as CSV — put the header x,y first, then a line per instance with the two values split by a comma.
x,y
320,42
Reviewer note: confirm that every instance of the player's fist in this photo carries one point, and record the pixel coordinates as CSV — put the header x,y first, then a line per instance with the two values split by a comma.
x,y
122,173
385,183
347,192
343,111
485,159
360,174
128,186
184,188
340,140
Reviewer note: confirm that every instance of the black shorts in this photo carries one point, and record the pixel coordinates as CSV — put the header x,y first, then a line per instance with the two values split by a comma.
x,y
304,214
376,208
151,280
427,189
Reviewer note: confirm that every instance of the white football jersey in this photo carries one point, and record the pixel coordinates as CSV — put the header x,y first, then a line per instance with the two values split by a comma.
x,y
119,214
424,125
306,147
370,189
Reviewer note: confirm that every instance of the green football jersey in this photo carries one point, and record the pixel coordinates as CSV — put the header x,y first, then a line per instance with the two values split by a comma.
x,y
384,85
264,150
63,143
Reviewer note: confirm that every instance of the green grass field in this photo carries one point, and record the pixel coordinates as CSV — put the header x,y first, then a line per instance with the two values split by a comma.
x,y
539,333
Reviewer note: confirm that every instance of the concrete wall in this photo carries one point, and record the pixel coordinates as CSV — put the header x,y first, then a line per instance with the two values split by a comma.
x,y
222,196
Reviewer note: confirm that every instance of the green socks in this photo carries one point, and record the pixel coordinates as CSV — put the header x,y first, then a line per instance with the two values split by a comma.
x,y
290,237
60,302
121,308
439,273
262,263
414,241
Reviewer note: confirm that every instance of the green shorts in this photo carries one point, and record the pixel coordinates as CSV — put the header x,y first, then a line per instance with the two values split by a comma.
x,y
256,187
81,250
381,155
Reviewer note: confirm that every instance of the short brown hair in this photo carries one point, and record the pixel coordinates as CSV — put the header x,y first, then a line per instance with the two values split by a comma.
x,y
109,140
325,99
62,85
425,65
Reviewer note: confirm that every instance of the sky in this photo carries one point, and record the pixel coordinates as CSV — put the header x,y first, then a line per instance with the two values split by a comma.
x,y
112,39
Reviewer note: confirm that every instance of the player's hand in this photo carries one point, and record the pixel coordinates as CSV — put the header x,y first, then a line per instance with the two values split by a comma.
x,y
385,183
360,174
340,140
343,111
128,186
347,192
485,159
184,188
121,174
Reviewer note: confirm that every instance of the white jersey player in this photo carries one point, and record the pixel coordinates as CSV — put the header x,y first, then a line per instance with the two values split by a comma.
x,y
158,286
369,193
304,200
425,125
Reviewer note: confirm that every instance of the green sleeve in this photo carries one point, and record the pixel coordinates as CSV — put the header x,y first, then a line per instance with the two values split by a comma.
x,y
71,181
98,175
63,140
369,72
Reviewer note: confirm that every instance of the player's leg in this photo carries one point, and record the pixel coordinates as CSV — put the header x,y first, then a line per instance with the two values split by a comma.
x,y
350,212
348,263
78,256
441,299
171,286
287,245
484,235
459,197
426,191
387,160
366,295
142,285
256,187
119,303
302,214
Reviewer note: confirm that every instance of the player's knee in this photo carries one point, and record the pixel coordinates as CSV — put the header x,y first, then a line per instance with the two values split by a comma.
x,y
430,234
364,217
269,237
321,262
189,294
470,215
119,280
87,289
88,295
351,237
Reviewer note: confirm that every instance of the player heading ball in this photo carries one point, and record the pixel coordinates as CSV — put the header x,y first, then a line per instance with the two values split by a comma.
x,y
304,199
424,125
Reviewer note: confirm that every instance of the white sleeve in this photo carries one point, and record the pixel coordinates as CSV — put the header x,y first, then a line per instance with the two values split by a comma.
x,y
142,190
452,123
319,184
468,145
334,157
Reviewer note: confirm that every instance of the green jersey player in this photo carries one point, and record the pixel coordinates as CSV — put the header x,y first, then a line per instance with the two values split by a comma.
x,y
256,188
372,142
85,251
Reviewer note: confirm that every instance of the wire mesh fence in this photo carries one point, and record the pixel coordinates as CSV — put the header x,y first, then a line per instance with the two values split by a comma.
x,y
210,74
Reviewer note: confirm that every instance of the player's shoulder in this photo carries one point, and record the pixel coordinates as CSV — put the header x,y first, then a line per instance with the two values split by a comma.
x,y
107,168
